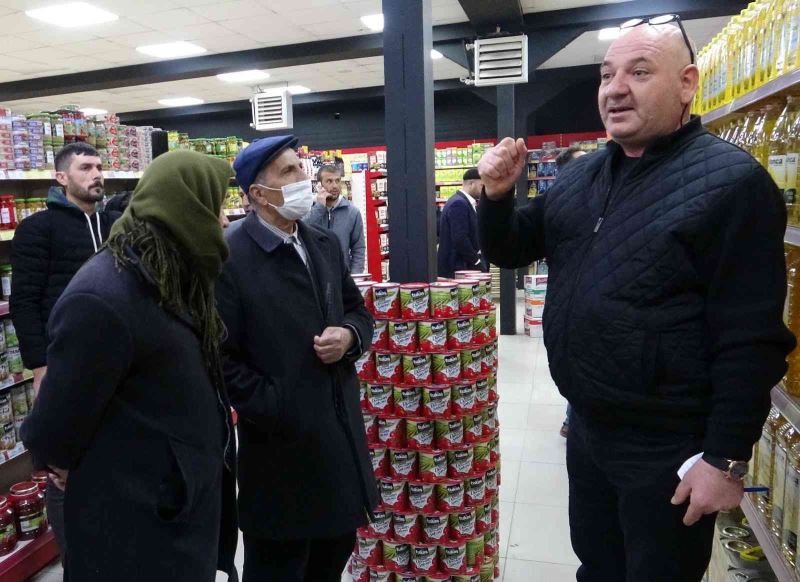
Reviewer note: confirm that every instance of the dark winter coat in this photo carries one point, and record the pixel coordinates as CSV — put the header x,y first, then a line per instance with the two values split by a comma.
x,y
344,220
665,297
48,249
128,407
298,475
459,247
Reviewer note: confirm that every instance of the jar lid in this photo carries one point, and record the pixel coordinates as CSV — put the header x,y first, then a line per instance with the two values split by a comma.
x,y
3,502
24,488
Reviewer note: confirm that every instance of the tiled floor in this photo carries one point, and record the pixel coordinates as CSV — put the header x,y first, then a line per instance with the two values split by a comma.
x,y
534,528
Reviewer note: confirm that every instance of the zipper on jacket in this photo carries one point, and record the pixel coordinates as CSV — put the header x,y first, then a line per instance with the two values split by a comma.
x,y
330,217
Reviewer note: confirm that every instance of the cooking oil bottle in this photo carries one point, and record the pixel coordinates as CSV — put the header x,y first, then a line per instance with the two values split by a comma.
x,y
766,459
793,161
766,40
787,437
791,510
792,36
762,133
791,315
777,144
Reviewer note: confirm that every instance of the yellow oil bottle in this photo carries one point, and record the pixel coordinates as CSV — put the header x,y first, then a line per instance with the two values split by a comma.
x,y
766,459
787,437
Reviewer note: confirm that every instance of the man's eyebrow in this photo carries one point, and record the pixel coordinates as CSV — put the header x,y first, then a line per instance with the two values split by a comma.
x,y
636,61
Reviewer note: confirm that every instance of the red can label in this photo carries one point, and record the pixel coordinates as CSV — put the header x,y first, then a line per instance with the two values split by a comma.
x,y
453,558
460,462
365,287
359,570
490,419
450,496
483,517
473,427
475,489
482,457
487,359
446,367
388,368
459,333
471,363
370,427
444,300
491,322
378,454
462,524
490,542
396,556
423,559
432,336
463,398
471,575
406,527
432,465
419,433
417,369
415,301
421,496
380,574
448,432
380,335
435,528
391,432
402,464
436,401
382,524
480,333
386,299
482,392
365,366
475,551
379,398
403,336
394,494
408,400
407,576
369,551
491,481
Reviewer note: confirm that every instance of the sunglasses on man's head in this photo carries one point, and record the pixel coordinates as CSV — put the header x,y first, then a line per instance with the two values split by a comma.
x,y
661,20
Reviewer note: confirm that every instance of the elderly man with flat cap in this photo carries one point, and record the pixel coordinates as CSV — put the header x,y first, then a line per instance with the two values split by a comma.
x,y
296,323
459,248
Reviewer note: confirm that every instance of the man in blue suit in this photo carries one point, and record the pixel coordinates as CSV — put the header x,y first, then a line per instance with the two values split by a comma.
x,y
459,248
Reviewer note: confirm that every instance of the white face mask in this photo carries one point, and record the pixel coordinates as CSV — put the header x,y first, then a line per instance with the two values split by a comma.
x,y
298,198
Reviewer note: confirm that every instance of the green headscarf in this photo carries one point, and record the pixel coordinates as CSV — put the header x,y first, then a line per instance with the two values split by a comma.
x,y
171,229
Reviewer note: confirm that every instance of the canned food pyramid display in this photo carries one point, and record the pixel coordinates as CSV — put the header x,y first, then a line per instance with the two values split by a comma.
x,y
429,400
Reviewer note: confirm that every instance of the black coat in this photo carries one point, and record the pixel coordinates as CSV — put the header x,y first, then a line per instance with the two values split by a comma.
x,y
667,313
128,407
298,478
48,249
459,247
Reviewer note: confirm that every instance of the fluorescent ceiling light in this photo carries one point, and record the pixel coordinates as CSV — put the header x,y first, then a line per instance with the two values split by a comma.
x,y
243,76
90,111
436,55
171,50
608,33
72,15
181,101
293,89
373,21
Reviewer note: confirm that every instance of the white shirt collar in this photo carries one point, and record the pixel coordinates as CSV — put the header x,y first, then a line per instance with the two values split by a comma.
x,y
277,231
471,200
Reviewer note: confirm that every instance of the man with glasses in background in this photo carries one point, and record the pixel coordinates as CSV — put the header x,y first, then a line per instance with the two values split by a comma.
x,y
664,324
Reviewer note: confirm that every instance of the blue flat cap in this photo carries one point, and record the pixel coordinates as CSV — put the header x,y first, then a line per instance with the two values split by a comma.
x,y
258,154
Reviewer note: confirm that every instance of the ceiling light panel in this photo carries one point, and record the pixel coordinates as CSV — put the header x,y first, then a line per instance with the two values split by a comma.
x,y
72,15
171,50
243,76
181,101
373,22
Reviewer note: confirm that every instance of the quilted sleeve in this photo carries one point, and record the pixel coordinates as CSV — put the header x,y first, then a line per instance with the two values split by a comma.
x,y
745,275
512,237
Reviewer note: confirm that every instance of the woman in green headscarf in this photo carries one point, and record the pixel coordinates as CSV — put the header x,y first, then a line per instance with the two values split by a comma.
x,y
133,407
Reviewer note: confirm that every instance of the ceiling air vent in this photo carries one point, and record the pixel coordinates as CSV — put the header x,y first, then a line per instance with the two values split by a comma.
x,y
272,110
501,61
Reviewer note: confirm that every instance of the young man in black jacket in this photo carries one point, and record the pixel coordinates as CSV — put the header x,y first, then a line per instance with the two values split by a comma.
x,y
48,249
663,323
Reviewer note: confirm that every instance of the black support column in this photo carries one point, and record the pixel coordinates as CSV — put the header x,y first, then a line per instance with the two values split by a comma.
x,y
506,120
408,73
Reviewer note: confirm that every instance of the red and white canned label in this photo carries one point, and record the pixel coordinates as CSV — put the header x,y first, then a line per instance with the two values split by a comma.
x,y
475,489
396,556
365,366
436,401
388,368
490,420
380,574
432,465
473,427
408,400
435,528
471,575
444,300
460,462
378,454
482,392
446,367
450,496
417,369
359,570
490,542
379,398
482,454
365,287
391,432
423,559
459,333
415,301
370,426
382,522
470,367
463,398
406,577
483,517
453,558
362,393
369,551
491,481
487,359
403,464
419,433
406,527
449,432
421,496
432,336
386,300
394,494
380,335
403,336
462,524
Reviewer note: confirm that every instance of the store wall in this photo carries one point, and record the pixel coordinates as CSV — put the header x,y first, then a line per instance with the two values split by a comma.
x,y
574,110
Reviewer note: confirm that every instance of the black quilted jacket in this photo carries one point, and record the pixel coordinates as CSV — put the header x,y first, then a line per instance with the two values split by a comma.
x,y
47,250
665,299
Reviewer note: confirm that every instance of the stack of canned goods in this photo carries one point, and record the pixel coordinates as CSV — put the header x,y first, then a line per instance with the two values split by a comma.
x,y
429,400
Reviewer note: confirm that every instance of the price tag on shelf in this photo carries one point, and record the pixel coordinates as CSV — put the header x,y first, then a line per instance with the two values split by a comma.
x,y
3,175
15,452
16,175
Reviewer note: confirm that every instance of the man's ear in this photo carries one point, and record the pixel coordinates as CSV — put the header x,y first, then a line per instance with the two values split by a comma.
x,y
61,178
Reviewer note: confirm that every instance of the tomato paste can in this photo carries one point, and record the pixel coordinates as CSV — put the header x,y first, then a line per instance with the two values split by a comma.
x,y
473,427
403,464
435,527
402,336
421,496
491,542
358,570
487,570
432,334
482,392
380,398
450,495
492,377
365,366
369,550
436,577
365,287
475,488
462,524
444,300
494,447
388,368
460,461
381,525
496,511
391,431
453,557
487,298
380,574
362,394
491,322
417,369
448,432
379,455
482,456
486,359
380,335
396,555
491,481
480,333
494,349
463,394
432,465
386,300
446,367
459,333
468,296
436,401
407,527
370,426
394,494
473,574
483,518
424,559
408,400
490,419
415,301
471,360
408,576
475,551
419,433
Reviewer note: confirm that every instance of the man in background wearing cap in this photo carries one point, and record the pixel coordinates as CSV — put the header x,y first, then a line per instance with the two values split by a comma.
x,y
296,324
459,248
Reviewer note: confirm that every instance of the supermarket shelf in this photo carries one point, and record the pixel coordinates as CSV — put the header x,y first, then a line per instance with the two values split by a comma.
x,y
788,405
6,235
458,183
15,380
766,90
769,543
6,456
792,235
29,558
51,175
4,309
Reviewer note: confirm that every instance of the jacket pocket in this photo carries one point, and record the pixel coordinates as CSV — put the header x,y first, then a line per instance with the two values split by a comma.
x,y
192,473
